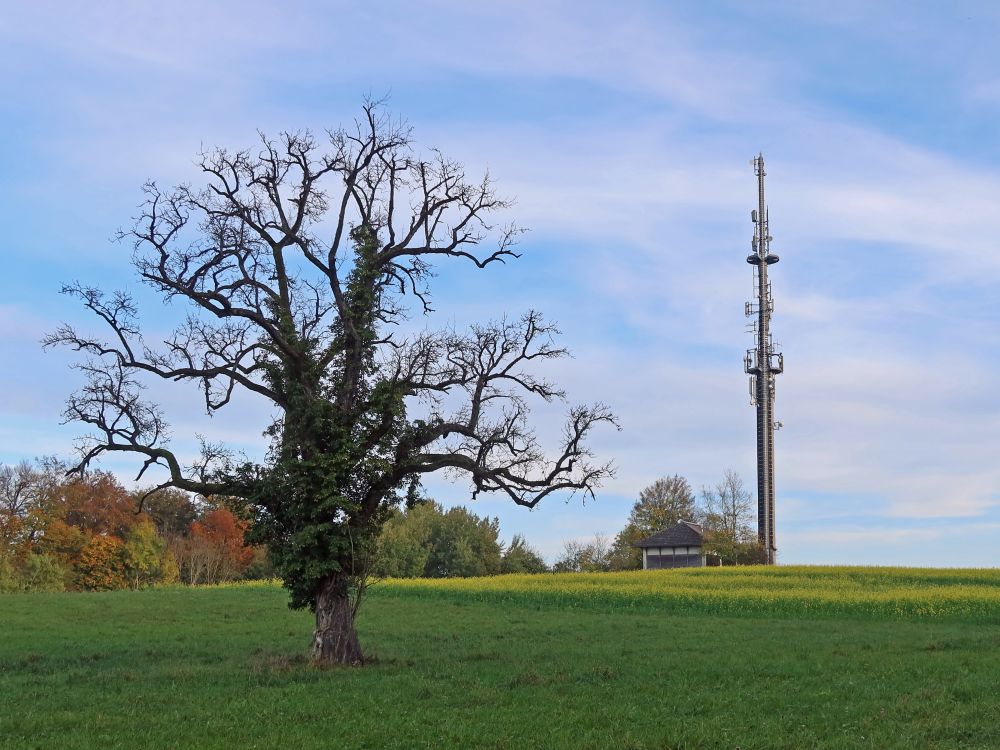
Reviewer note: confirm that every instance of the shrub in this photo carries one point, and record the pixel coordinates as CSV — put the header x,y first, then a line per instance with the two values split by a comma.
x,y
42,573
520,557
8,576
260,567
38,572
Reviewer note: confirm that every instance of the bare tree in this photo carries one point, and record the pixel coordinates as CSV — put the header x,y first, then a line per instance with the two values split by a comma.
x,y
298,263
728,515
584,557
16,483
25,491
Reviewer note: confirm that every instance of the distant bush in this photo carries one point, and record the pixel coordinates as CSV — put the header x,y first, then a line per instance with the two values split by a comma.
x,y
260,567
43,573
520,557
429,541
37,573
8,576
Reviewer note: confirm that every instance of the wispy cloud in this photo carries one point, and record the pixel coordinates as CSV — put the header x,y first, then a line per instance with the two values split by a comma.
x,y
624,135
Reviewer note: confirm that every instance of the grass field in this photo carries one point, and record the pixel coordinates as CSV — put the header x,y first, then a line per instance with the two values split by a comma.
x,y
784,658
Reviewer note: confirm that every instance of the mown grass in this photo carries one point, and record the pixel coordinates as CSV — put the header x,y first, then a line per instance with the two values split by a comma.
x,y
224,667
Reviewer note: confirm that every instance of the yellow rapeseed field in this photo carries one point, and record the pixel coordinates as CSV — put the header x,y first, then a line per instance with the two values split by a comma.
x,y
811,591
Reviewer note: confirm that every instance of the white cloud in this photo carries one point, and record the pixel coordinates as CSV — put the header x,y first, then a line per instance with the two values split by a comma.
x,y
885,300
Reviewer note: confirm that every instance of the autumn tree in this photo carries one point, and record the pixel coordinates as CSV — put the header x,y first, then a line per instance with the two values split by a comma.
x,y
96,503
17,485
172,511
79,529
148,560
102,564
23,566
62,541
84,520
214,550
664,503
299,262
30,497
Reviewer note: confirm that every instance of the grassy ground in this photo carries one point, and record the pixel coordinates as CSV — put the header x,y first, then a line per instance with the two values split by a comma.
x,y
224,668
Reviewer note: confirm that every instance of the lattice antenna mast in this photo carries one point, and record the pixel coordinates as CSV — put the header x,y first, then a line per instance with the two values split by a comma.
x,y
762,363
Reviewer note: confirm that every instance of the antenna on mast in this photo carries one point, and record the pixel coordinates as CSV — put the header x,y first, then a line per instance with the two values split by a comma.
x,y
762,363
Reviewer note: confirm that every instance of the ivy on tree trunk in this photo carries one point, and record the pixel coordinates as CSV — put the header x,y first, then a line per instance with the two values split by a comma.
x,y
299,262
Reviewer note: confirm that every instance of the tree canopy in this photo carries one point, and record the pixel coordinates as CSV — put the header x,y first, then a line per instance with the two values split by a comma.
x,y
84,532
663,503
727,516
725,513
299,262
429,541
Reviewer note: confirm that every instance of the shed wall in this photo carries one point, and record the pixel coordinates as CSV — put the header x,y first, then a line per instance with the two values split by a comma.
x,y
658,558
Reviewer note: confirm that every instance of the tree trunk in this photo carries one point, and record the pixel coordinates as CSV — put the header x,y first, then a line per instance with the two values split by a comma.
x,y
335,641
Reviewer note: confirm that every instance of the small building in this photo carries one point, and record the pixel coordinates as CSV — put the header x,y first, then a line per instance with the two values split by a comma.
x,y
677,546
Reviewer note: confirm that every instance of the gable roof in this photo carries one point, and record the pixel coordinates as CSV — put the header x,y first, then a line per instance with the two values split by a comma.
x,y
683,534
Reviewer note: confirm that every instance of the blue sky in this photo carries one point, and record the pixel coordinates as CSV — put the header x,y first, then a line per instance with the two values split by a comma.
x,y
625,134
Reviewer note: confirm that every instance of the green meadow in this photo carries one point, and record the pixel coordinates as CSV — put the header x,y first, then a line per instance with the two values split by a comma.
x,y
778,658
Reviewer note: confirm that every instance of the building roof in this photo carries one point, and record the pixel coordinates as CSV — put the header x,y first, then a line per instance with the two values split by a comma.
x,y
683,534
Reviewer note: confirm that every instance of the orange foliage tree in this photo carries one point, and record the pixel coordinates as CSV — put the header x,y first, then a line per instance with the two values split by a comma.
x,y
98,504
102,564
62,541
214,550
91,527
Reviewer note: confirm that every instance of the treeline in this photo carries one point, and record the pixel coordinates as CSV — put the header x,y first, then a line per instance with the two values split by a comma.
x,y
428,541
725,511
60,532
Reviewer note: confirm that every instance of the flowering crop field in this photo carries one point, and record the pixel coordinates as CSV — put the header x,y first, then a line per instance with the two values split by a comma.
x,y
797,591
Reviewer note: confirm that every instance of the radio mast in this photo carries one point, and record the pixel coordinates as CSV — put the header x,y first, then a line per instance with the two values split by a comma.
x,y
762,363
